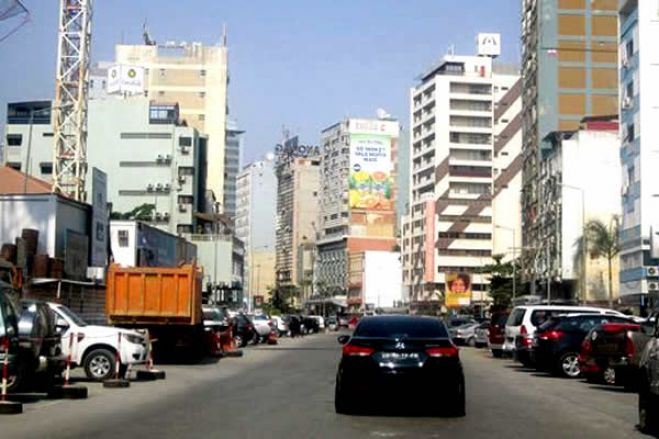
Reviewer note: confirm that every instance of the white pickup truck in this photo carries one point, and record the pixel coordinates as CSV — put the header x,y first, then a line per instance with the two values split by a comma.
x,y
95,347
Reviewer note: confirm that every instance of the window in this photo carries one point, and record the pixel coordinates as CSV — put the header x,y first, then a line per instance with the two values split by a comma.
x,y
47,135
46,168
185,141
202,94
103,84
161,93
123,238
185,199
162,72
202,72
185,170
14,139
409,327
183,228
201,117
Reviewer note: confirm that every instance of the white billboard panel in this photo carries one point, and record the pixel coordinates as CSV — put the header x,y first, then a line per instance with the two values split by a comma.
x,y
489,44
125,79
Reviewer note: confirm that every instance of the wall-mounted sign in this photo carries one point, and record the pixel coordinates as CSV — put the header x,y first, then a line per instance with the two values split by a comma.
x,y
489,44
125,79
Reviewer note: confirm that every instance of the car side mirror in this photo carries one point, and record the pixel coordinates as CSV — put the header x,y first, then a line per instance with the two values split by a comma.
x,y
61,324
343,339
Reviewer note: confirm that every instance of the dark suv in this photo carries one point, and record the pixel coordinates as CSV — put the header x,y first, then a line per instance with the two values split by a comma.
x,y
557,342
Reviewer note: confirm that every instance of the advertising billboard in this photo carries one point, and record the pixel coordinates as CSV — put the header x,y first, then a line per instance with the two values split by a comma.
x,y
100,229
458,290
370,182
125,79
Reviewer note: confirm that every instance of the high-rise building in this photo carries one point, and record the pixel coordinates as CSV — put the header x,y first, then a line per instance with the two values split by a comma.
x,y
570,71
297,169
639,136
357,199
256,218
231,166
194,76
465,172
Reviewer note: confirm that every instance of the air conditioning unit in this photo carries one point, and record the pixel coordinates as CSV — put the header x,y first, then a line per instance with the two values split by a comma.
x,y
182,208
185,149
653,286
158,216
165,216
167,187
149,187
653,271
181,179
159,159
627,103
168,158
158,187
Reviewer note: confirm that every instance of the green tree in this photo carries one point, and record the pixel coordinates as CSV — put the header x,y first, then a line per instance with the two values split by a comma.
x,y
143,212
501,281
602,241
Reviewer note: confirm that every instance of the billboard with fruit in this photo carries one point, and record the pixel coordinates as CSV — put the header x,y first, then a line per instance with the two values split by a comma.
x,y
370,185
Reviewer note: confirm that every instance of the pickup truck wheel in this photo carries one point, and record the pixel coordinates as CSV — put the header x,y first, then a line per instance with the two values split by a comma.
x,y
99,364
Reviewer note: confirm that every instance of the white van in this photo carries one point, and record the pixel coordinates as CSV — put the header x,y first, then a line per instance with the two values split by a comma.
x,y
524,320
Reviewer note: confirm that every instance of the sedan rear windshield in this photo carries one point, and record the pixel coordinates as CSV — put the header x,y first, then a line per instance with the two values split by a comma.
x,y
394,328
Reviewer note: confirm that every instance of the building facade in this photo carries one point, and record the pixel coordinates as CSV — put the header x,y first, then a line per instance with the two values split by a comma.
x,y
234,144
580,180
639,134
297,168
196,77
465,174
29,138
357,198
150,158
570,71
256,219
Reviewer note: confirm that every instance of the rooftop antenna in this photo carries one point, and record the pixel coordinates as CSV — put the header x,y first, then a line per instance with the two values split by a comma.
x,y
224,35
147,38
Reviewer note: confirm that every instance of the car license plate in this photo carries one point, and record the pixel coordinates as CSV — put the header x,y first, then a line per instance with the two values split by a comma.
x,y
400,356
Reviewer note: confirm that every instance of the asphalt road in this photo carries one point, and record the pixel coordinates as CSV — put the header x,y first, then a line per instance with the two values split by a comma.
x,y
286,391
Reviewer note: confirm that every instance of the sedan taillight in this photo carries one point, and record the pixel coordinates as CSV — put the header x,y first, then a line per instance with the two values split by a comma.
x,y
449,351
350,350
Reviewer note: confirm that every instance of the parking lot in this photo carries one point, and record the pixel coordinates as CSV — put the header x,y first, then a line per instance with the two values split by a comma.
x,y
287,390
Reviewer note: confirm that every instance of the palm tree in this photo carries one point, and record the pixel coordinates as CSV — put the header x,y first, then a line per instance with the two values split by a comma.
x,y
602,241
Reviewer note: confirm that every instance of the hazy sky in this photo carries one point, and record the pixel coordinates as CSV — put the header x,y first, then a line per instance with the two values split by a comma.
x,y
299,63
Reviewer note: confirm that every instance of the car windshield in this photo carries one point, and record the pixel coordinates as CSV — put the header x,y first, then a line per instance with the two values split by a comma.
x,y
395,328
213,314
516,317
75,318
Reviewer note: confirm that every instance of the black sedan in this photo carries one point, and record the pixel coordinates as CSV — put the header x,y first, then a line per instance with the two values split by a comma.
x,y
389,355
557,342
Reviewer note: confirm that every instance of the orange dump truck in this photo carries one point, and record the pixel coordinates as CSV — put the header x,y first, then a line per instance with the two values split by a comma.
x,y
164,300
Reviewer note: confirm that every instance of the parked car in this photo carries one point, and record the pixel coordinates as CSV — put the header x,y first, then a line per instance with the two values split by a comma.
x,y
216,321
94,347
610,353
392,354
243,330
523,321
280,325
648,383
557,342
497,332
310,325
482,335
332,324
40,343
320,322
465,334
262,325
343,321
9,343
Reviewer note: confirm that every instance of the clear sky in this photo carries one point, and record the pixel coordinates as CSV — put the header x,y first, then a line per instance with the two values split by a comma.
x,y
304,64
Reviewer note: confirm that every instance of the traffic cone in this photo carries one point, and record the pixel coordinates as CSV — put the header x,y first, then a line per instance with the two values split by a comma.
x,y
117,382
8,407
68,391
230,350
150,373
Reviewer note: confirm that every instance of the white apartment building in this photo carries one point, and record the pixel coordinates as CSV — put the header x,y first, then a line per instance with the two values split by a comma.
x,y
196,77
465,173
579,178
255,223
639,136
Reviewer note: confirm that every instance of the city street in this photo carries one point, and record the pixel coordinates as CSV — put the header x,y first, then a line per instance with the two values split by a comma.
x,y
286,391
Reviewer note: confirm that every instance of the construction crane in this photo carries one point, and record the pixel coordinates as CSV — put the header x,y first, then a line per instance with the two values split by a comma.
x,y
71,93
